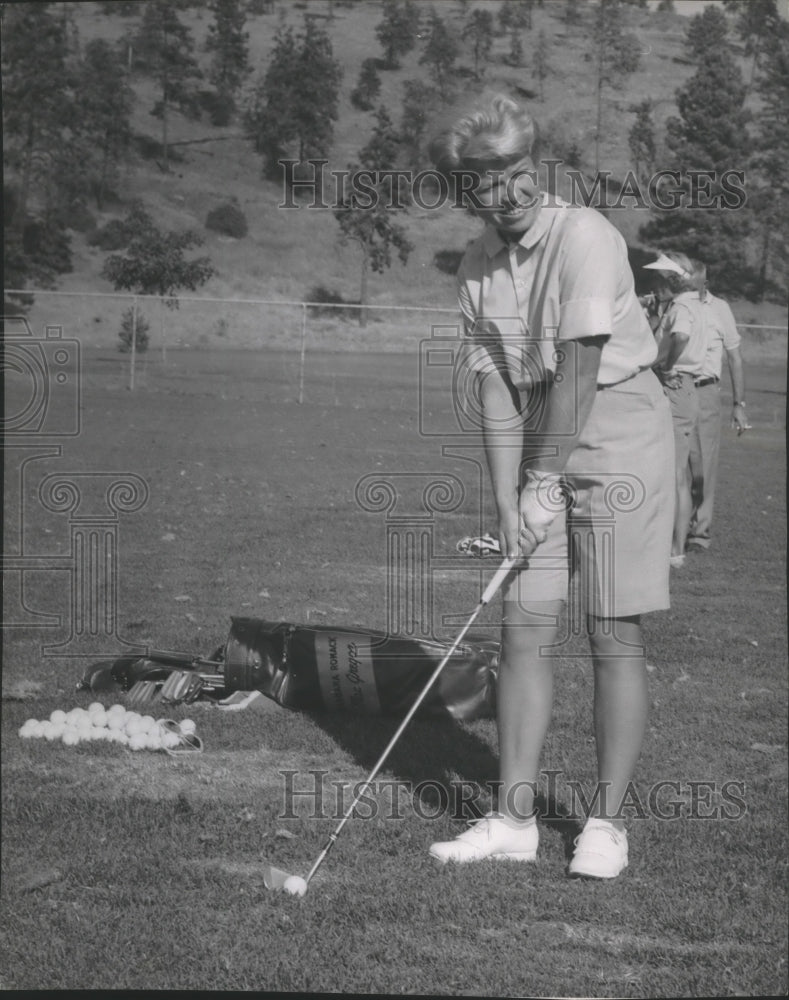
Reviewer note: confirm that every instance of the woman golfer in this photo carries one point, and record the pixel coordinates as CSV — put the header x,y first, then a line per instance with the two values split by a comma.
x,y
682,345
579,446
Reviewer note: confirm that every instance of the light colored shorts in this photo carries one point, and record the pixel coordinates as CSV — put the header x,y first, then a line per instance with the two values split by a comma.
x,y
610,554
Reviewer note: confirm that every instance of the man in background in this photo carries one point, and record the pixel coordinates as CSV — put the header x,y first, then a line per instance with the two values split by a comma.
x,y
720,331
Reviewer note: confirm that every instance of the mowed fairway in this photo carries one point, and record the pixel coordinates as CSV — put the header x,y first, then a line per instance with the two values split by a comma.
x,y
126,870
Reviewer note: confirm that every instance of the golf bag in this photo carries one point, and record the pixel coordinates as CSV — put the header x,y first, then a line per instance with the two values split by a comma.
x,y
360,671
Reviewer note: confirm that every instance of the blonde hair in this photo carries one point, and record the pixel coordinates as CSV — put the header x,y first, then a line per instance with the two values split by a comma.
x,y
496,128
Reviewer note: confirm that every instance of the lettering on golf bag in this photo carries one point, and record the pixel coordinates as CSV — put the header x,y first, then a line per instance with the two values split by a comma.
x,y
360,671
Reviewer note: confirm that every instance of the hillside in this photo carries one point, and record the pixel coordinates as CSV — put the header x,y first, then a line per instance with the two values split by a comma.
x,y
289,252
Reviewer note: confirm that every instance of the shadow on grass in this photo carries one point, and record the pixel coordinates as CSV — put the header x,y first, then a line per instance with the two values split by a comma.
x,y
446,766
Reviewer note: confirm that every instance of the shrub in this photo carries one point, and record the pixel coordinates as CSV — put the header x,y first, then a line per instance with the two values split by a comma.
x,y
111,237
125,333
78,217
319,293
228,219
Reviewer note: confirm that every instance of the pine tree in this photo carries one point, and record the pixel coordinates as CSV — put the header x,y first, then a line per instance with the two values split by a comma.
x,y
398,31
164,46
105,99
296,104
541,65
418,101
38,106
479,28
616,55
641,140
707,33
230,45
515,57
710,135
368,86
439,55
369,221
769,177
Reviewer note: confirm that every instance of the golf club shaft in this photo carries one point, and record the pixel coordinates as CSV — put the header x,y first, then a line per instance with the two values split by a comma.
x,y
488,593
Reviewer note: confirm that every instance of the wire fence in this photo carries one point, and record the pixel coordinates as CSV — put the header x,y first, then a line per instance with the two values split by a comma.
x,y
163,327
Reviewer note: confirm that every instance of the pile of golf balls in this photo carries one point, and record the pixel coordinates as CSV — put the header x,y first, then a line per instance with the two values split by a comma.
x,y
114,725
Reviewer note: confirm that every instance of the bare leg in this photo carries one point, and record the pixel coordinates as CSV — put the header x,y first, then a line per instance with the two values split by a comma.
x,y
524,700
621,704
684,509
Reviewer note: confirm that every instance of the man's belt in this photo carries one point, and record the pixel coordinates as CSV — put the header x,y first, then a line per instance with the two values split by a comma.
x,y
706,381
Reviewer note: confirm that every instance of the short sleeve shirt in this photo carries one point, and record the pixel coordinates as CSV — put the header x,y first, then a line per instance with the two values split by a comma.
x,y
568,277
721,334
684,317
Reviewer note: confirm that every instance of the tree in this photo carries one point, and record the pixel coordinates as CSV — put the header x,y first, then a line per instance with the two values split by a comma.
x,y
105,100
398,31
572,12
541,67
439,55
616,55
154,262
164,47
418,100
479,28
515,57
368,220
709,137
770,185
707,32
38,105
368,86
296,104
758,24
641,140
230,45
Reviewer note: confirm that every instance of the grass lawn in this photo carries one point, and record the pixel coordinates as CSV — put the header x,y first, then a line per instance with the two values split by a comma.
x,y
126,870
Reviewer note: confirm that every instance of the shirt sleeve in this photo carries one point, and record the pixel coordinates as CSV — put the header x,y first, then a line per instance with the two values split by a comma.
x,y
731,335
681,320
589,270
474,353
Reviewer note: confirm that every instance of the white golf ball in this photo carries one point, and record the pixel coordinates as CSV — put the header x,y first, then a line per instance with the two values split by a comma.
x,y
95,706
115,722
98,718
37,730
295,885
28,728
50,731
153,742
133,725
58,716
188,726
116,708
147,723
70,736
138,741
73,716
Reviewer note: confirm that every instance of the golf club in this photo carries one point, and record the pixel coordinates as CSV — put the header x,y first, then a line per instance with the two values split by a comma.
x,y
276,878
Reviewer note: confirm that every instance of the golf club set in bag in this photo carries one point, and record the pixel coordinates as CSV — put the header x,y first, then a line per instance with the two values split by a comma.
x,y
322,669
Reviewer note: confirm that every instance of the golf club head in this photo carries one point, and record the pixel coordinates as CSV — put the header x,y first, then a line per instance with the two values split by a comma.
x,y
274,878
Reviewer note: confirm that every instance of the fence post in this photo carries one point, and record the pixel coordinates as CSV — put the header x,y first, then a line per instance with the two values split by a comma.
x,y
303,350
163,331
133,345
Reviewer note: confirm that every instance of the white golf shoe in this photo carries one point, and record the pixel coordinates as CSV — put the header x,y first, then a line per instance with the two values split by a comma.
x,y
489,837
600,851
